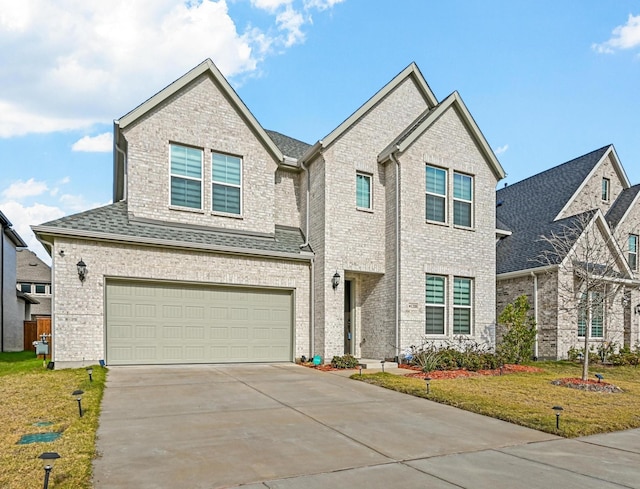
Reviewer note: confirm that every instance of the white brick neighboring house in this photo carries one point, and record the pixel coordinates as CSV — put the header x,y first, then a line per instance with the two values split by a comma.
x,y
229,243
594,188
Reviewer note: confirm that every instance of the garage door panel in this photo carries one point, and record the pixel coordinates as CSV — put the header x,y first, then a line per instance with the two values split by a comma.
x,y
164,323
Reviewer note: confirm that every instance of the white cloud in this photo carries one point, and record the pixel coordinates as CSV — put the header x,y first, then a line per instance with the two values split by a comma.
x,y
291,21
23,217
103,143
321,4
21,189
501,149
77,203
625,36
270,5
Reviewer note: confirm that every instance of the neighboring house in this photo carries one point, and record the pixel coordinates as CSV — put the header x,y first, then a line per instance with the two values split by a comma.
x,y
230,243
591,189
13,303
34,278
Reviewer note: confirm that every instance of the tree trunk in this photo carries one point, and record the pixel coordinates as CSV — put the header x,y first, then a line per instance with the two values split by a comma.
x,y
585,360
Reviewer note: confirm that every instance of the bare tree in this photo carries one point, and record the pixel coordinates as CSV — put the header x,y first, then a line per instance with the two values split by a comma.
x,y
591,270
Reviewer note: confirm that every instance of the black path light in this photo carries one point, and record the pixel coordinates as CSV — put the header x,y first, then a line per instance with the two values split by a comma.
x,y
360,368
428,382
558,410
600,377
48,458
78,393
90,372
382,363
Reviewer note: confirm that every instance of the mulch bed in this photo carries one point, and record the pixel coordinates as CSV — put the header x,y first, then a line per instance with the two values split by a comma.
x,y
456,374
327,367
587,385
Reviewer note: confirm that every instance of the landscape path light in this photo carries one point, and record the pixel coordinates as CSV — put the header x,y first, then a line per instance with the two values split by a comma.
x,y
558,410
428,382
90,372
78,393
382,363
48,458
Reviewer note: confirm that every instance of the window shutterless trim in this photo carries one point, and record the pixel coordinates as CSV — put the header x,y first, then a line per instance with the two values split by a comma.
x,y
465,201
185,177
368,177
606,189
435,195
229,185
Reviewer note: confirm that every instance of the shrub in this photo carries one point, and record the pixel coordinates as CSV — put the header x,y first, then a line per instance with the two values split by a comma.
x,y
344,361
517,343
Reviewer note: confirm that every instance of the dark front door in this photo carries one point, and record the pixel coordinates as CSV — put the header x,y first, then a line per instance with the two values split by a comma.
x,y
348,317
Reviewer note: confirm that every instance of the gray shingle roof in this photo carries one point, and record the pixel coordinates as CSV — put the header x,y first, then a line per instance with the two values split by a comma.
x,y
30,268
112,222
621,205
529,208
289,146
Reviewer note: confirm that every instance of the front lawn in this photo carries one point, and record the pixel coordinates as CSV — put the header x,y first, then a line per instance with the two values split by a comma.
x,y
527,398
36,400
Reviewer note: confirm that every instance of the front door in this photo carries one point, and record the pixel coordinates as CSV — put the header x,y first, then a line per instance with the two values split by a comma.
x,y
348,317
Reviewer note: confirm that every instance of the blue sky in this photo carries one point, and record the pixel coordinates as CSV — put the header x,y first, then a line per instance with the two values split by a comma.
x,y
546,81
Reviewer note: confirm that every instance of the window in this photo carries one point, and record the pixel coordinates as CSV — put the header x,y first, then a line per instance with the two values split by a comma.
x,y
462,305
41,288
26,288
436,184
605,189
186,177
363,191
226,183
633,251
597,315
435,304
462,200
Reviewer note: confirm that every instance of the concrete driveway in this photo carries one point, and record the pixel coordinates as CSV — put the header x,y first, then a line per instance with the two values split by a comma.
x,y
285,426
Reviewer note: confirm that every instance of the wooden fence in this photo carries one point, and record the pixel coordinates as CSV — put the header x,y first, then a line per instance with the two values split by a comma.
x,y
33,330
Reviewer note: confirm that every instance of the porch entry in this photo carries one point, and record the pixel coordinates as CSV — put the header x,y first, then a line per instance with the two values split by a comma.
x,y
349,316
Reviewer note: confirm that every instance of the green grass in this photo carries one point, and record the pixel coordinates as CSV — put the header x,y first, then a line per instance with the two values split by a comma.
x,y
526,399
31,394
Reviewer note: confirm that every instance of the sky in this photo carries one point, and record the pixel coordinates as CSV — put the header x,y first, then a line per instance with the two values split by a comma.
x,y
546,81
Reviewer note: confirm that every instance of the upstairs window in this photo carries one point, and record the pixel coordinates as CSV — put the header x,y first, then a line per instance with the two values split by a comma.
x,y
186,177
226,183
633,252
435,304
436,185
462,305
462,200
605,189
26,288
363,191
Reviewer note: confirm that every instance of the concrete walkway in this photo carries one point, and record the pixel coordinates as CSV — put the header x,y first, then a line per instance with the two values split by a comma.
x,y
284,426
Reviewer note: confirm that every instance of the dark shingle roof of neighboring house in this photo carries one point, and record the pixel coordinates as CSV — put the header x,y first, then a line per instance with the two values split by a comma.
x,y
621,205
112,222
289,146
529,208
30,268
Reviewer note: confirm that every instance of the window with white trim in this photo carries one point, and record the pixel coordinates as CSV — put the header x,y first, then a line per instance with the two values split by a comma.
x,y
436,190
462,200
186,176
363,191
596,303
462,305
633,252
226,183
606,183
435,310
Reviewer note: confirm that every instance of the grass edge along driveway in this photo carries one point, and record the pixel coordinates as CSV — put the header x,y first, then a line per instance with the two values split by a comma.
x,y
32,397
527,399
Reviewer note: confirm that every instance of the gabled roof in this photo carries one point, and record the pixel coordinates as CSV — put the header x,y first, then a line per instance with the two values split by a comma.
x,y
290,147
529,209
625,201
410,71
112,223
206,68
428,117
30,268
608,150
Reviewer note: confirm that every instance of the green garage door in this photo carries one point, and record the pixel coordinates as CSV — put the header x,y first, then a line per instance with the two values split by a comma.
x,y
167,323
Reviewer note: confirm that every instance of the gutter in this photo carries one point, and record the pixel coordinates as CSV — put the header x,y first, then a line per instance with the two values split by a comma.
x,y
312,285
49,244
124,170
393,158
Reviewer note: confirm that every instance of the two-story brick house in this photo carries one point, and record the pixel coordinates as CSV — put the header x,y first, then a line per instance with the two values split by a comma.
x,y
590,209
230,243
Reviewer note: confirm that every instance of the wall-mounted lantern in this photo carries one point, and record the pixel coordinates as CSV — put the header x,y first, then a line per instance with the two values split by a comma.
x,y
82,270
335,280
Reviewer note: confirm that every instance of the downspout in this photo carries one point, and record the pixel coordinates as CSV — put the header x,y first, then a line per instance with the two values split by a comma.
x,y
312,295
535,312
53,296
397,337
124,170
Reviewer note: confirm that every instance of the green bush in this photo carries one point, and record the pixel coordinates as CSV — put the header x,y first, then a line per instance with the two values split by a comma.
x,y
517,343
344,361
